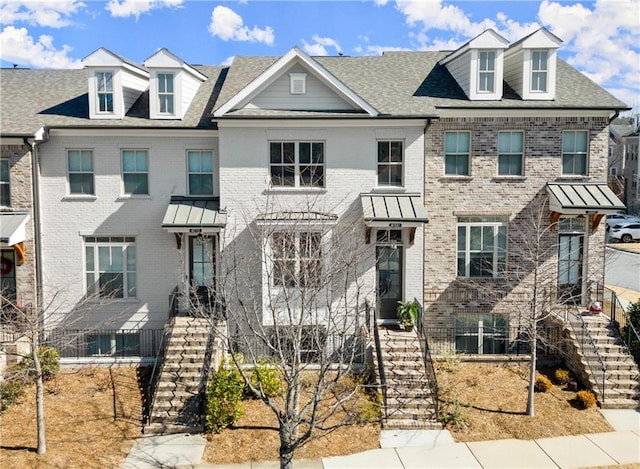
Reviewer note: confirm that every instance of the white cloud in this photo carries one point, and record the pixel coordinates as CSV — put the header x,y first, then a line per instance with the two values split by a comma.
x,y
602,42
19,47
319,46
125,8
49,13
228,25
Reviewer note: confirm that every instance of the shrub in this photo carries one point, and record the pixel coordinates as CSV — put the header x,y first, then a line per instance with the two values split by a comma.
x,y
562,376
10,391
49,363
266,378
224,399
542,384
585,399
455,418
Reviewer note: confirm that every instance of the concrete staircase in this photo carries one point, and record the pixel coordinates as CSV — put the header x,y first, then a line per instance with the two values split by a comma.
x,y
622,378
409,401
182,379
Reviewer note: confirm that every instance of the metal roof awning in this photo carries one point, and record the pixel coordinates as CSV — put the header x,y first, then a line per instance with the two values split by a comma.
x,y
293,217
393,210
194,215
583,198
13,227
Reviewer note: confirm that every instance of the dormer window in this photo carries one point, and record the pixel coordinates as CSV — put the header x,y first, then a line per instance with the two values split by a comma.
x,y
165,93
486,71
297,83
539,70
105,91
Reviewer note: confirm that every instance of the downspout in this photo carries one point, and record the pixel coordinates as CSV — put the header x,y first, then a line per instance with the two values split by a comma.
x,y
614,116
41,136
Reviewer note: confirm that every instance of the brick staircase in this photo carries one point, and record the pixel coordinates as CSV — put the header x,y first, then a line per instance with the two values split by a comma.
x,y
622,379
409,401
182,379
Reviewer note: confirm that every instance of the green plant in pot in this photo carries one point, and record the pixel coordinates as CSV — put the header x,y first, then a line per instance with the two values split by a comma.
x,y
407,314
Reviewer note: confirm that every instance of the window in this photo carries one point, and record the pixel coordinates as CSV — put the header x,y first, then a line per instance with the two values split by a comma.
x,y
574,152
165,93
571,232
110,266
482,246
121,344
80,166
539,70
297,259
297,164
200,164
480,333
297,83
105,91
390,163
456,153
310,341
8,274
135,172
486,71
5,183
510,153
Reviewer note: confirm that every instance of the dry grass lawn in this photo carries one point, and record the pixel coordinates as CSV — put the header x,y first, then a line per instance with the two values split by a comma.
x,y
81,431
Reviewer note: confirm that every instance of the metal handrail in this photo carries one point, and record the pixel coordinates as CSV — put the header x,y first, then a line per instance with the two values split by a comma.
x,y
162,350
583,337
381,374
427,359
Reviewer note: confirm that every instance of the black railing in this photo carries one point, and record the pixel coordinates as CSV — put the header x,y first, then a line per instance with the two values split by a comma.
x,y
427,360
97,343
380,366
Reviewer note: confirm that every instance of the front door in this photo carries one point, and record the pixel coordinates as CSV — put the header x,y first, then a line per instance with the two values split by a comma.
x,y
202,255
389,264
570,259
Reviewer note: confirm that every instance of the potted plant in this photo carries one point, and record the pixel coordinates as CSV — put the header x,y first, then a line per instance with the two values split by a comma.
x,y
407,314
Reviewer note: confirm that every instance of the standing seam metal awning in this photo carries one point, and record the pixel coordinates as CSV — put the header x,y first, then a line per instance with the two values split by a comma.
x,y
583,198
13,227
186,214
385,209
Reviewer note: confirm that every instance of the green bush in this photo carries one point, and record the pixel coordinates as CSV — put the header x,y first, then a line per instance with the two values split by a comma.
x,y
266,378
224,399
10,391
562,376
49,362
585,399
542,384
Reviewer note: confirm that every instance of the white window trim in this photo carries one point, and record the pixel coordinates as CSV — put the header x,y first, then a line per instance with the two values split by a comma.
x,y
296,177
444,157
93,174
213,171
118,99
297,83
123,193
545,71
522,155
487,72
125,243
402,163
467,249
165,93
586,153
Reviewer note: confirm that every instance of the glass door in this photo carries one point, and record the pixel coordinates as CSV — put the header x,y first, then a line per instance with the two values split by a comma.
x,y
202,270
389,265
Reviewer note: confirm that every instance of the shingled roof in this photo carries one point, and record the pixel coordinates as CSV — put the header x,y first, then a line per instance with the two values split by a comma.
x,y
401,84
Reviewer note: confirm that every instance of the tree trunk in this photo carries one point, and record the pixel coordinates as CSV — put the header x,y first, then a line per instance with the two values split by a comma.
x,y
532,374
42,443
286,452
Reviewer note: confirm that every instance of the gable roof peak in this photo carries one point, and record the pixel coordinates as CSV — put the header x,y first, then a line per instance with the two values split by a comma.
x,y
488,39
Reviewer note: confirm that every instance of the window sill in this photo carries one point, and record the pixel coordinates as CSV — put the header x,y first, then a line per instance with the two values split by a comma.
x,y
133,197
297,190
79,198
454,177
573,177
109,301
505,178
388,189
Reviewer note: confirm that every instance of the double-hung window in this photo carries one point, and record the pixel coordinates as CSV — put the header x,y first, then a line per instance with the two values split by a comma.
x,y
456,153
297,259
80,169
110,266
296,164
574,152
390,159
165,93
105,91
5,183
510,153
135,172
539,70
486,71
200,169
482,246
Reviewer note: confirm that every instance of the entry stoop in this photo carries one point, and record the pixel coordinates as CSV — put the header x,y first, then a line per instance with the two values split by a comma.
x,y
409,402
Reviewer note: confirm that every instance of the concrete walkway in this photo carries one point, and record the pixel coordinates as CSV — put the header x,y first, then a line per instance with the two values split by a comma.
x,y
428,449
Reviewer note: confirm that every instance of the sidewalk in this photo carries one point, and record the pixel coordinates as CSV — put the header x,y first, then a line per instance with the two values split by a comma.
x,y
428,449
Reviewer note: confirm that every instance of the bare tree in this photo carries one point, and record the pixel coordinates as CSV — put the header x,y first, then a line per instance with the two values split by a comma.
x,y
295,288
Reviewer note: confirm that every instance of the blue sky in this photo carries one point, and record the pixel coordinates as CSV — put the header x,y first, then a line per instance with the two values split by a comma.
x,y
601,38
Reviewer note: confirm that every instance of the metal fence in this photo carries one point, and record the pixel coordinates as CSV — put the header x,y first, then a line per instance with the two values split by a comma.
x,y
119,343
